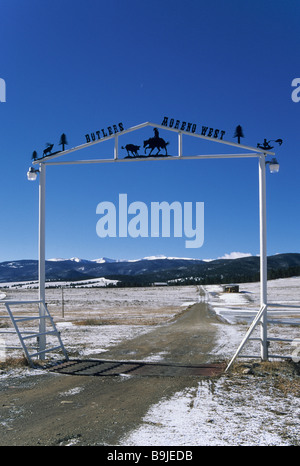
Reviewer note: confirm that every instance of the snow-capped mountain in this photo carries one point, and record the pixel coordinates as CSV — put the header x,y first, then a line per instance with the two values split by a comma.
x,y
104,260
153,269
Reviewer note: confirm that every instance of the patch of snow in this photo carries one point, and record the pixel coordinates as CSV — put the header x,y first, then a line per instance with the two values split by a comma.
x,y
72,391
156,357
89,283
93,339
220,413
56,260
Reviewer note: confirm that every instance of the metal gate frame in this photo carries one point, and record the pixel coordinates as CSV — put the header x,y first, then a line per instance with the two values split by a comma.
x,y
253,152
30,334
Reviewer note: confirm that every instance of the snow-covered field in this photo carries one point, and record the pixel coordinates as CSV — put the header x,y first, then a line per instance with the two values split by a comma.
x,y
239,309
242,306
125,313
231,410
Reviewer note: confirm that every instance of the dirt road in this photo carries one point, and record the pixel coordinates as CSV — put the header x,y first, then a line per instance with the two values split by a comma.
x,y
59,409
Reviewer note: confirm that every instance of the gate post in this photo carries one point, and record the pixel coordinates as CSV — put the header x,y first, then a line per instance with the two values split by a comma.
x,y
263,255
42,322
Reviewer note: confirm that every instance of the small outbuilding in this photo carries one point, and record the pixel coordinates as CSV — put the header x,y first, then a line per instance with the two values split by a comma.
x,y
231,288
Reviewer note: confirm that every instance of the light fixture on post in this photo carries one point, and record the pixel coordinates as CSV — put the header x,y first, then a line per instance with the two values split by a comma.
x,y
273,165
32,174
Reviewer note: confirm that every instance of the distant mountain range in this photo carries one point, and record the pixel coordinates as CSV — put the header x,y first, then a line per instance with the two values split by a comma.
x,y
144,272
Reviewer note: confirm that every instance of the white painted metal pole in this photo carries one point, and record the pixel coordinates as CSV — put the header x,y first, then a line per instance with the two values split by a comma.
x,y
116,148
42,326
154,158
179,144
263,255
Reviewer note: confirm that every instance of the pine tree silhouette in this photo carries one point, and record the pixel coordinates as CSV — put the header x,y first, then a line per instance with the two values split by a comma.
x,y
239,133
63,141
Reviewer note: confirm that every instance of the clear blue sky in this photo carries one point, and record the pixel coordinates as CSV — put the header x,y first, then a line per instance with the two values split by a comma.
x,y
78,66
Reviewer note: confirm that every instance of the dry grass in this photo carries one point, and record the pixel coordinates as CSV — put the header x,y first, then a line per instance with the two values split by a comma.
x,y
124,320
285,375
4,325
13,363
90,321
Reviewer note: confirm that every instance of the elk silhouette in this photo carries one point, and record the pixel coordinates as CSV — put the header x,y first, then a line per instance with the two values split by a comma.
x,y
48,149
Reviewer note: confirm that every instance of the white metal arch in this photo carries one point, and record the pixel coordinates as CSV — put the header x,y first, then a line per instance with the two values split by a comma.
x,y
252,152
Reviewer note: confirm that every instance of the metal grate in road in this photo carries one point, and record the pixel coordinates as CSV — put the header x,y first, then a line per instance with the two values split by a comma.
x,y
134,368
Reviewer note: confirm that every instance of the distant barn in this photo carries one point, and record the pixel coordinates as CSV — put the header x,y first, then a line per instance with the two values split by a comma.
x,y
231,288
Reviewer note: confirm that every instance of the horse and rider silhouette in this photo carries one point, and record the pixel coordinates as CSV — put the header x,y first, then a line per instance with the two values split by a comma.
x,y
155,143
150,144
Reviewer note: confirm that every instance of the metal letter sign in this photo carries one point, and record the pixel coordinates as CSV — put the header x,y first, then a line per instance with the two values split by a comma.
x,y
104,133
191,127
155,143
